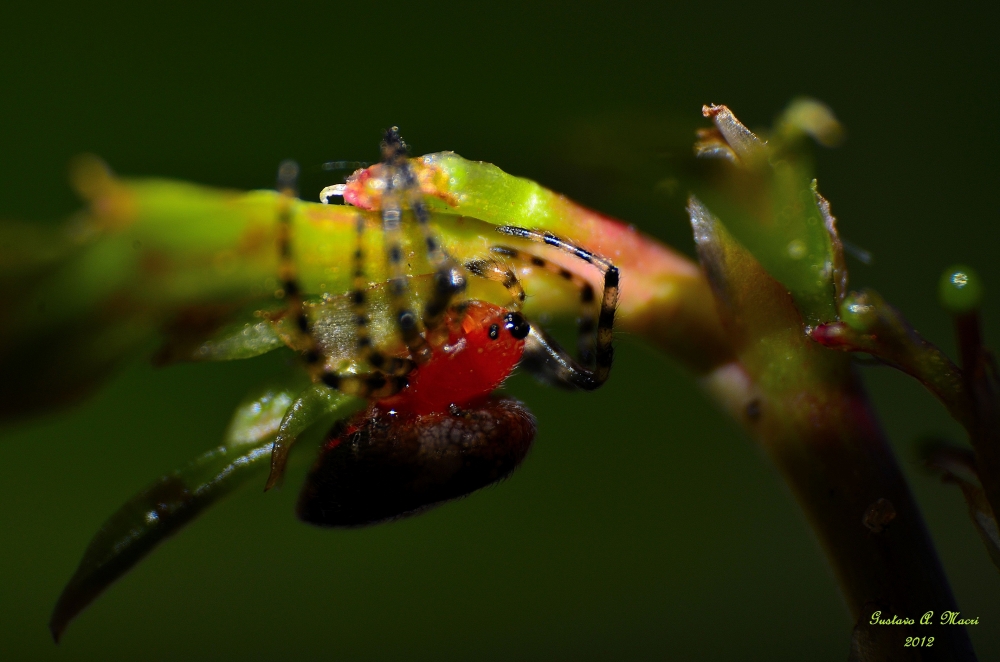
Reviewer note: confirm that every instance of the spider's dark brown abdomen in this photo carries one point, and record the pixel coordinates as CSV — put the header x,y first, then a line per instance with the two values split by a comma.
x,y
381,467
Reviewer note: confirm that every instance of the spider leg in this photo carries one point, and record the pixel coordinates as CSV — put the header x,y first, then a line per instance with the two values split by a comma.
x,y
499,273
359,306
288,174
449,279
543,355
587,320
363,385
374,384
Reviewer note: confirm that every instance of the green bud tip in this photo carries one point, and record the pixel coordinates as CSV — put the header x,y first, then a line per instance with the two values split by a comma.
x,y
858,312
960,290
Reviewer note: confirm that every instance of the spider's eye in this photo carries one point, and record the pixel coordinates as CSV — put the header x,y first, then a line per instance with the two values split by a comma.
x,y
494,331
517,325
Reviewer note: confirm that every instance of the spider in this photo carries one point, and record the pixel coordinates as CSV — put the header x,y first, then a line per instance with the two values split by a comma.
x,y
441,437
433,429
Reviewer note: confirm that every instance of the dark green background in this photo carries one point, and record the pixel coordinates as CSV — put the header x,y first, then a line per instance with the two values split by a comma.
x,y
644,525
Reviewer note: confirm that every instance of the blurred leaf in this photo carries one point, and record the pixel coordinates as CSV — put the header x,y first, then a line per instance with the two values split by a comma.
x,y
758,314
767,197
169,504
958,465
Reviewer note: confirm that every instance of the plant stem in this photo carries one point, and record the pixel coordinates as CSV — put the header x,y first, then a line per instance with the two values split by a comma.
x,y
838,464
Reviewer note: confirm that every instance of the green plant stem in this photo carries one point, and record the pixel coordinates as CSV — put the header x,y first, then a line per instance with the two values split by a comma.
x,y
804,405
838,465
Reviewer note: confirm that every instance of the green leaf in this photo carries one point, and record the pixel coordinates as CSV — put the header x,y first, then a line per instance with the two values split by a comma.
x,y
174,500
760,317
767,197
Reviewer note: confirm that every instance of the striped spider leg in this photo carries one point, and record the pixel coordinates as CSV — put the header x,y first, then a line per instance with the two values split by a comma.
x,y
388,375
449,279
543,356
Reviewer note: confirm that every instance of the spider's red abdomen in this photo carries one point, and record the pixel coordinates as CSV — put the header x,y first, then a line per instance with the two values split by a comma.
x,y
481,351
